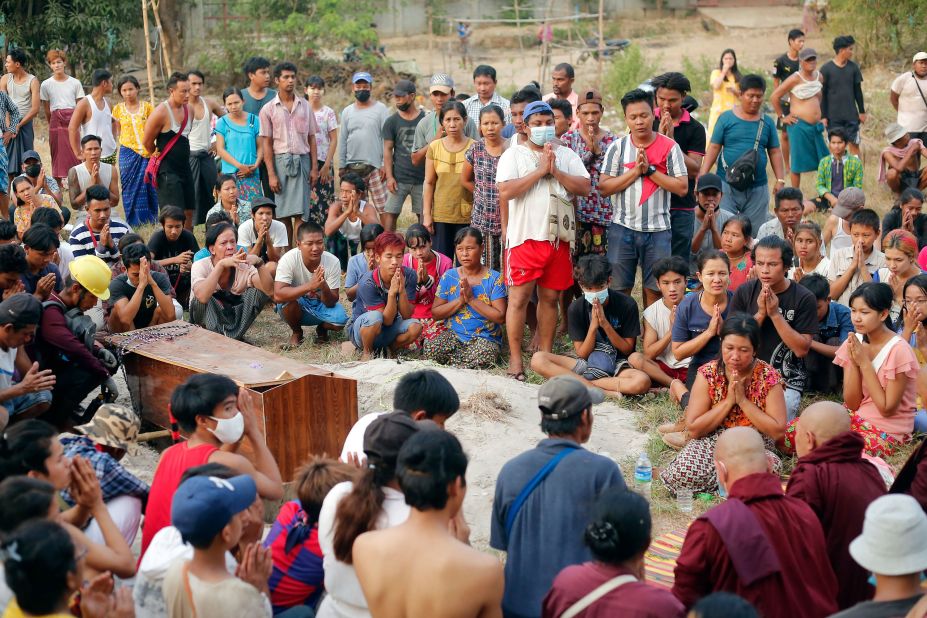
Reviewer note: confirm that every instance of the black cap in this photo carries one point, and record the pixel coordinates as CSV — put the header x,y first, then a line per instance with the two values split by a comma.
x,y
20,309
708,181
564,396
386,435
403,87
260,202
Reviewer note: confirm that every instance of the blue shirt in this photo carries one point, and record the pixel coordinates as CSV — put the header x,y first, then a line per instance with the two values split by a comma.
x,y
114,479
548,532
357,268
467,323
240,141
30,281
836,324
691,321
736,137
372,293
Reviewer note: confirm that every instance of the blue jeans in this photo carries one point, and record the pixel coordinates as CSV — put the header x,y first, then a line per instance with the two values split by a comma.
x,y
752,203
315,312
629,248
387,335
22,403
682,223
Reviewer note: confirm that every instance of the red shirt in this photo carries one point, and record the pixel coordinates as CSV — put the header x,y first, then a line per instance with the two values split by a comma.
x,y
176,460
803,587
838,485
632,600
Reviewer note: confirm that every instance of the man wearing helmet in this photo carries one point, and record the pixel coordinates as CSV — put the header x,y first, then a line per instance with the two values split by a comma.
x,y
66,344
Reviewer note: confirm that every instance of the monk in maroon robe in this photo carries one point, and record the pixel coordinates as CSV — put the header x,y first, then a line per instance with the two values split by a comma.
x,y
838,484
759,544
912,479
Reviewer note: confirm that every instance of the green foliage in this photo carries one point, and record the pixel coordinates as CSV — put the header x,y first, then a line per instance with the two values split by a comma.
x,y
94,33
626,71
884,31
698,71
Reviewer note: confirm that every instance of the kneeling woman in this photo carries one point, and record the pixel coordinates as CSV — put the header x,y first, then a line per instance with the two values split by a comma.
x,y
471,301
230,288
736,390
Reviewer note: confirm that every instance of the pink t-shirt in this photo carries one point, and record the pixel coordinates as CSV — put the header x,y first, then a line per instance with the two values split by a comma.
x,y
899,360
243,280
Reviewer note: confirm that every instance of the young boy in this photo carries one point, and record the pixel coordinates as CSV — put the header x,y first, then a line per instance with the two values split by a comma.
x,y
263,235
215,415
563,115
837,171
173,247
42,276
604,325
852,266
657,359
208,512
835,324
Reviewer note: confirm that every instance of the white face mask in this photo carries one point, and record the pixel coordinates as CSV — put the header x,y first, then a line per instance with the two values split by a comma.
x,y
542,135
229,430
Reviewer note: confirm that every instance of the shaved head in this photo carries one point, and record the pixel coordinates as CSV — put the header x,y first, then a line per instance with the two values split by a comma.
x,y
820,422
739,452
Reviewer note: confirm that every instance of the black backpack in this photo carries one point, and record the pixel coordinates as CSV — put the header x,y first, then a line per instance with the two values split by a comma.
x,y
742,174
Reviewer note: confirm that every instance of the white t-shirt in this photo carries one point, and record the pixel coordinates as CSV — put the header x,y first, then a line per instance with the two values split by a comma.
x,y
292,271
278,235
229,597
345,599
7,368
354,443
65,257
912,110
61,95
657,316
528,213
821,269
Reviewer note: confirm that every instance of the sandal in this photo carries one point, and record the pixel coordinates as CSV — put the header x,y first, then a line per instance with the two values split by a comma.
x,y
518,376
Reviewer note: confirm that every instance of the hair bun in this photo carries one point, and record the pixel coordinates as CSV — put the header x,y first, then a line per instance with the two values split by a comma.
x,y
603,534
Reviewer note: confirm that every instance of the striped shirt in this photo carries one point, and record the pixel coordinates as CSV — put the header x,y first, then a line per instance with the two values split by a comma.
x,y
8,107
644,206
474,105
85,242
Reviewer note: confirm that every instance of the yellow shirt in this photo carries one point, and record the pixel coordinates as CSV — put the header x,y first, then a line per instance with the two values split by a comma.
x,y
452,203
132,126
13,611
723,99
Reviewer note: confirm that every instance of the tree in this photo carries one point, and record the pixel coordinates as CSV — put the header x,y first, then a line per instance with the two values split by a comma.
x,y
884,31
94,33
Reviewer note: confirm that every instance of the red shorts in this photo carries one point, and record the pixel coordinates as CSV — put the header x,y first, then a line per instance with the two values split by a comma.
x,y
677,374
534,260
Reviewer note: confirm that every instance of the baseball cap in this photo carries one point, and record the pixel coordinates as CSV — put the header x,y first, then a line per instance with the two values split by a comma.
x,y
807,52
442,82
31,154
21,309
361,76
894,132
589,96
920,56
849,201
403,87
258,202
564,396
708,181
113,425
894,537
204,505
536,107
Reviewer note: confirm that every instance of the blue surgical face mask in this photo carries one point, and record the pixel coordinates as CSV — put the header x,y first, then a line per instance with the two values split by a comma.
x,y
601,296
542,135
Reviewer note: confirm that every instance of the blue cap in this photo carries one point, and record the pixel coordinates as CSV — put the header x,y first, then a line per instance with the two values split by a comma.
x,y
31,154
204,505
536,107
362,76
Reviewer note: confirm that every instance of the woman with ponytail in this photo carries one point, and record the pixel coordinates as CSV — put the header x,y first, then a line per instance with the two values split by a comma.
x,y
618,535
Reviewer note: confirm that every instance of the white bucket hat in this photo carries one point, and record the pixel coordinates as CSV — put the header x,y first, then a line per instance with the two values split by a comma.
x,y
894,538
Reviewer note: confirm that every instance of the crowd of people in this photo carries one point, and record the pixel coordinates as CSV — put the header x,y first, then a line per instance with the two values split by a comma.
x,y
530,214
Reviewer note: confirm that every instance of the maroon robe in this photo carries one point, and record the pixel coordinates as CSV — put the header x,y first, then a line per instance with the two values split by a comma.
x,y
800,583
912,479
838,485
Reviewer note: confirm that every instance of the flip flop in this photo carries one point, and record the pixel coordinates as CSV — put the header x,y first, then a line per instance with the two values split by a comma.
x,y
518,376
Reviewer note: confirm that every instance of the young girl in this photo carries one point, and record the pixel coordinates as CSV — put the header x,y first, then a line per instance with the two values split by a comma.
x,y
326,142
735,242
139,198
429,266
879,372
900,248
479,177
807,242
237,146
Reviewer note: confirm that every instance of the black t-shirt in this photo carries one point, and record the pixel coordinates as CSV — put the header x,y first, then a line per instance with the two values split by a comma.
x,y
402,133
892,221
620,311
121,288
799,308
162,249
839,103
690,135
880,609
784,67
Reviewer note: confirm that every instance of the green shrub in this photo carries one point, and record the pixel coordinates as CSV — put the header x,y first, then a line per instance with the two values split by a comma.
x,y
626,71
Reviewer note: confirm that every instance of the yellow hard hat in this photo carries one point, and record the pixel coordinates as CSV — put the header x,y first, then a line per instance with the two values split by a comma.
x,y
92,273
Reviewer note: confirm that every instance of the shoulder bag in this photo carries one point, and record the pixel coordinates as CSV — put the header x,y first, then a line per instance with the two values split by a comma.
x,y
561,217
923,98
612,584
742,173
532,484
154,163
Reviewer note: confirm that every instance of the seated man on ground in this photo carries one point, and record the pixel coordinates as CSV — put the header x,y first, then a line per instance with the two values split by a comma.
x,y
173,247
262,235
99,234
736,390
834,479
788,211
604,325
12,266
384,299
55,220
901,163
391,563
362,263
709,218
42,276
347,216
8,234
307,286
760,544
31,396
139,297
834,325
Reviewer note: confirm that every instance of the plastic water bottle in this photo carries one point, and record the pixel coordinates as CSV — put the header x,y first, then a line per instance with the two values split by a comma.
x,y
643,475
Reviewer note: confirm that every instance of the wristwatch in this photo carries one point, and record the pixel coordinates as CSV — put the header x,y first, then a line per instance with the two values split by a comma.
x,y
650,170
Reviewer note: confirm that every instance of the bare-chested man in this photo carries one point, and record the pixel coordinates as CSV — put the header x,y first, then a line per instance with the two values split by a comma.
x,y
202,164
391,564
803,122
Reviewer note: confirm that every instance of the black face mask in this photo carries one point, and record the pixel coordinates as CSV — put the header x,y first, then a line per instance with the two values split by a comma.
x,y
33,171
404,107
362,95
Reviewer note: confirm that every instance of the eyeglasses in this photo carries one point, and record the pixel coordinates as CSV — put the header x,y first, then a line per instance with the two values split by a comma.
x,y
919,302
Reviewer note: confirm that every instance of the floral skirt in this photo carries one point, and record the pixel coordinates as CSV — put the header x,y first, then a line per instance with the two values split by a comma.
x,y
249,187
877,442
